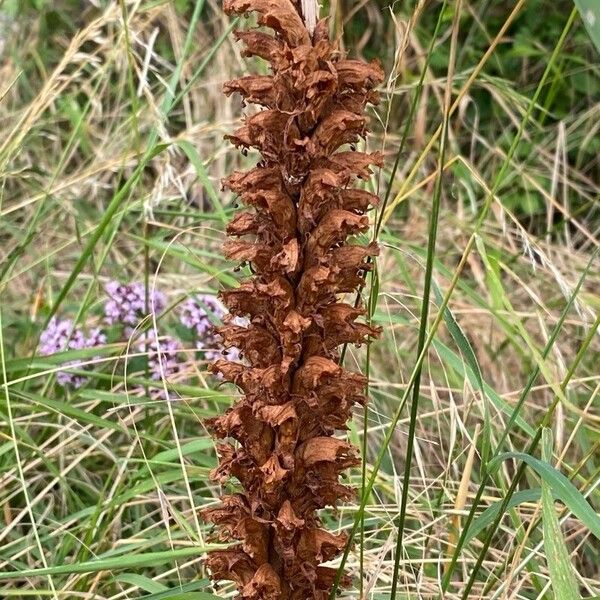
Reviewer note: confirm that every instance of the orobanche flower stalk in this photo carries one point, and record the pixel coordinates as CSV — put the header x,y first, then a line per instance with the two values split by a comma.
x,y
300,210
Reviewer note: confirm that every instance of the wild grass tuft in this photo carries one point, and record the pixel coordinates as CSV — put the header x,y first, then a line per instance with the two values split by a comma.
x,y
487,290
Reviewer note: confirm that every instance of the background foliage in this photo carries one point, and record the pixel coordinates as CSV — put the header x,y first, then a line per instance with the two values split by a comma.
x,y
110,160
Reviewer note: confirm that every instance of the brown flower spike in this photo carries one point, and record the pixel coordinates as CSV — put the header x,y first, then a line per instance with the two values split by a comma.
x,y
301,209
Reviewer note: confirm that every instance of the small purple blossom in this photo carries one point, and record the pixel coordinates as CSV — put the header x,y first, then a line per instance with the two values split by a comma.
x,y
213,350
163,357
60,336
200,314
127,303
95,338
164,360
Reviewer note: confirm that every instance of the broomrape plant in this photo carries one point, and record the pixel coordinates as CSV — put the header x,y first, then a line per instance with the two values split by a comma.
x,y
300,211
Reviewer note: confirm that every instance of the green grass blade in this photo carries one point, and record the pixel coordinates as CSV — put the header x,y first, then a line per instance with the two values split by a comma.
x,y
130,561
182,596
490,514
590,15
193,156
425,299
142,582
463,369
561,487
466,350
559,564
183,591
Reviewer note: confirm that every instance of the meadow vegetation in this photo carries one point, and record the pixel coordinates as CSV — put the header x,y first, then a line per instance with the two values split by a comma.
x,y
487,290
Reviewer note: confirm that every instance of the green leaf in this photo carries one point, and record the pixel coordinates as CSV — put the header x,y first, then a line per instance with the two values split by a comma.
x,y
590,15
489,515
561,488
145,559
374,294
187,591
142,582
194,158
460,338
562,577
466,350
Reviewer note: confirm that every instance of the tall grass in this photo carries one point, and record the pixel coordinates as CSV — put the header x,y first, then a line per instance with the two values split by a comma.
x,y
487,291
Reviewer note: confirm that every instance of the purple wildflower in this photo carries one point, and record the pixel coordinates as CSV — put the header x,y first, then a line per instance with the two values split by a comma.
x,y
55,338
200,314
60,336
163,357
216,351
95,338
127,303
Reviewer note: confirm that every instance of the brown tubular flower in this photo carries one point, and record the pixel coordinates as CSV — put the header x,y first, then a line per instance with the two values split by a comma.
x,y
301,209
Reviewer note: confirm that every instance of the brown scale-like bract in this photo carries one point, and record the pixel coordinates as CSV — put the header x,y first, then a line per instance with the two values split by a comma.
x,y
300,210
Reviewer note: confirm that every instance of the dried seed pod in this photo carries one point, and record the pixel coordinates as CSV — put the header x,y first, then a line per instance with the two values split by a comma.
x,y
300,211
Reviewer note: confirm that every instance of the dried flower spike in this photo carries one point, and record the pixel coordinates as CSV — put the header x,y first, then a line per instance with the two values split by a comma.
x,y
300,211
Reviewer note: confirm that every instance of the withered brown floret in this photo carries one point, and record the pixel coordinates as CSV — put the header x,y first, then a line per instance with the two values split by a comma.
x,y
299,209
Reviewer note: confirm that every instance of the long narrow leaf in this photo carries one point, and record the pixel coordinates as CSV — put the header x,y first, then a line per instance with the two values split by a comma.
x,y
590,15
146,559
561,488
557,555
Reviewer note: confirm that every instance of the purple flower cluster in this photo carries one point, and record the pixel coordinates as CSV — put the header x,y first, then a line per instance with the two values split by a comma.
x,y
163,356
126,306
164,360
127,303
201,314
60,336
